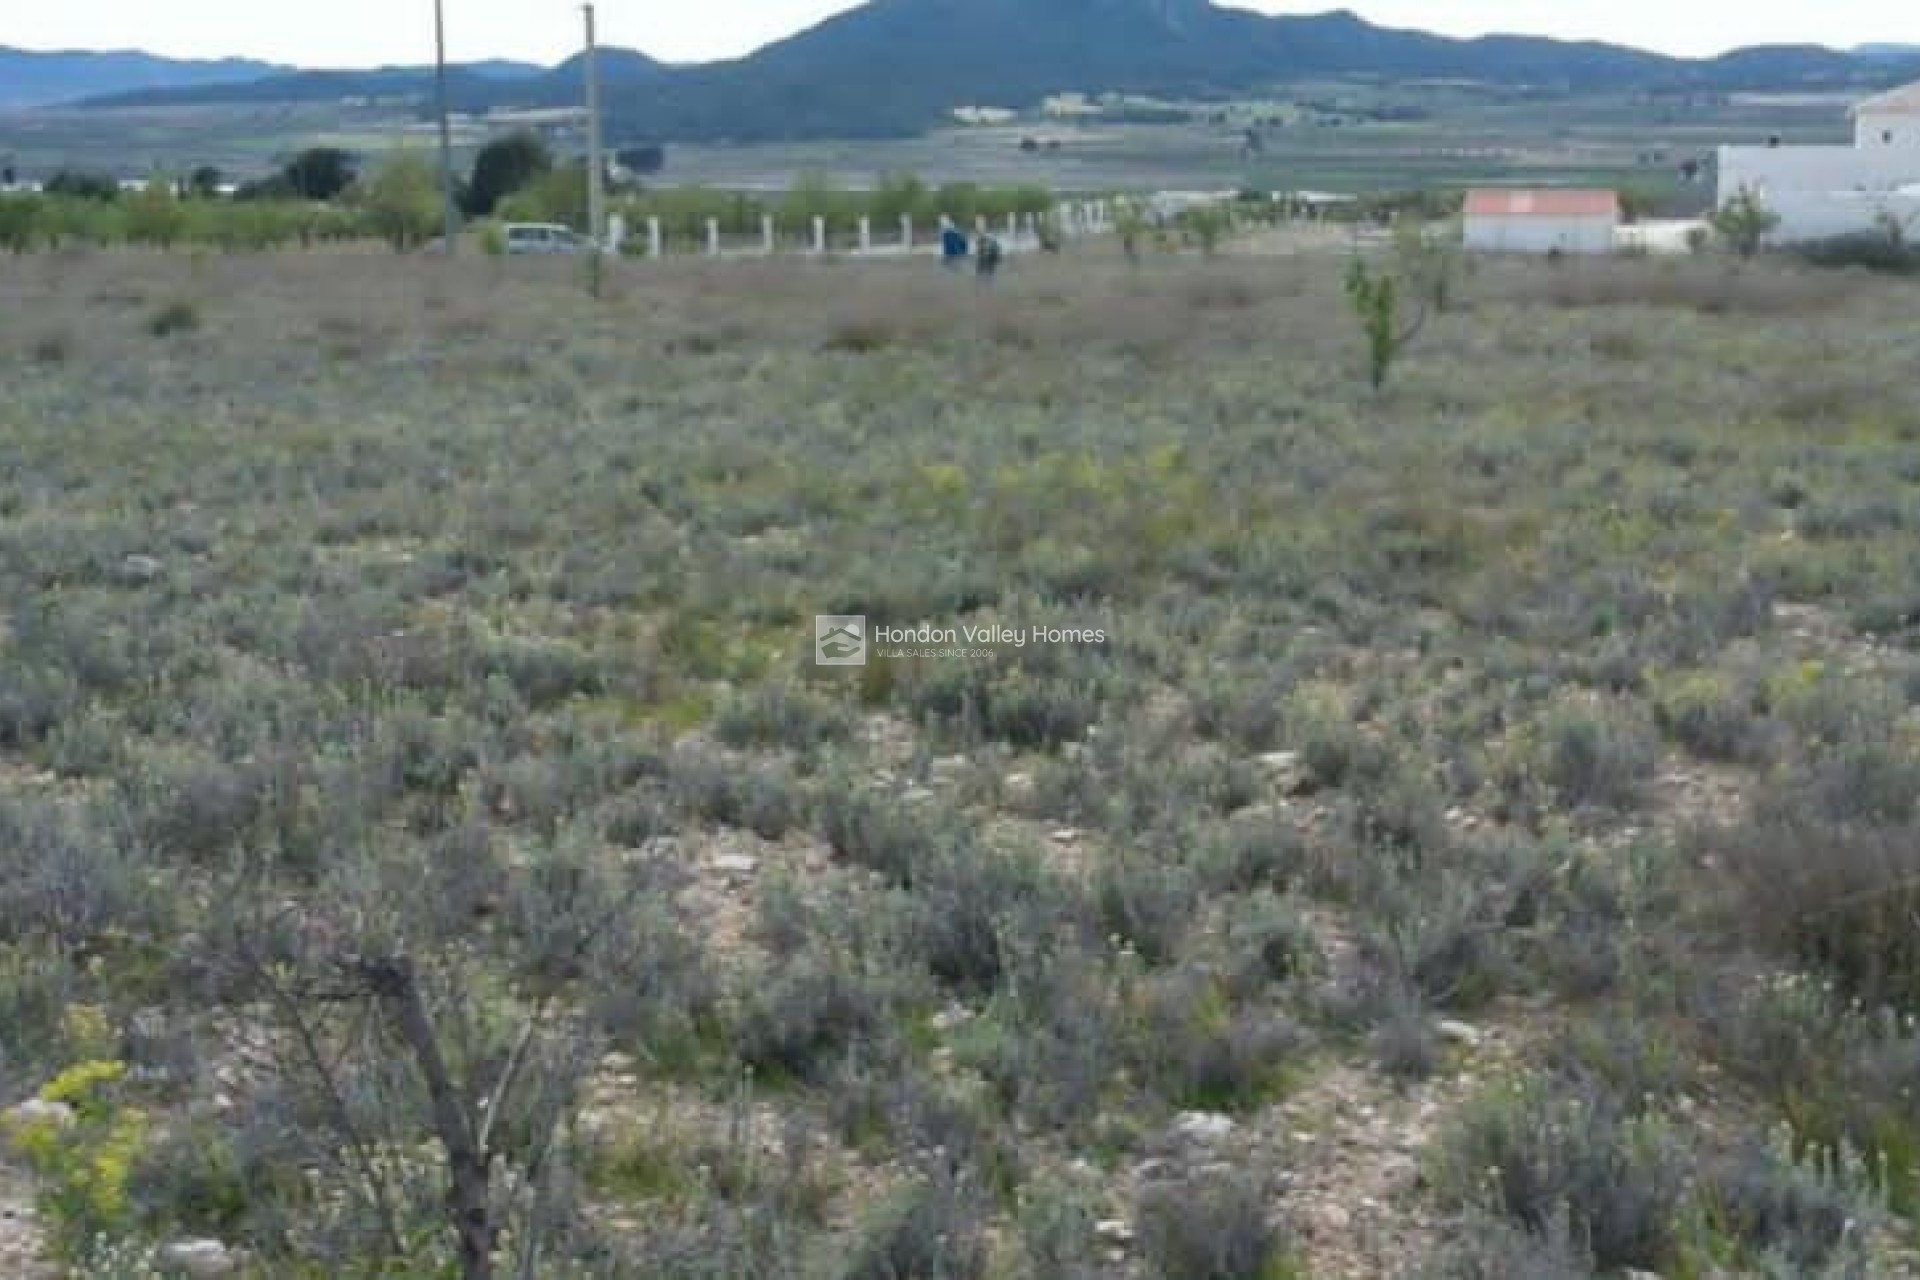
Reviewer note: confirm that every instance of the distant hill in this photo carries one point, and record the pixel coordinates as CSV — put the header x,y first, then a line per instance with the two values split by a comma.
x,y
470,86
1909,53
504,69
30,78
893,67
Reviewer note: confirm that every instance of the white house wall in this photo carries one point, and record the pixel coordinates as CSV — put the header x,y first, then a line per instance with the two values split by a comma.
x,y
1539,234
1821,192
1879,130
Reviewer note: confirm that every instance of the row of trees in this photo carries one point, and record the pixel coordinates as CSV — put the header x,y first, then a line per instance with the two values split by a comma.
x,y
322,195
399,203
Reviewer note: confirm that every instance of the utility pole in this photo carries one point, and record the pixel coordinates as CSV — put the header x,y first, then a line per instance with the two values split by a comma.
x,y
446,128
596,165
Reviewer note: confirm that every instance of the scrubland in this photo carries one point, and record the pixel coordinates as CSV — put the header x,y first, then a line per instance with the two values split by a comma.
x,y
1487,846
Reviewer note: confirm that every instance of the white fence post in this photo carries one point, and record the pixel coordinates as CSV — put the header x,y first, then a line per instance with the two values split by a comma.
x,y
656,242
616,233
819,236
766,234
906,233
1013,227
866,234
713,237
980,223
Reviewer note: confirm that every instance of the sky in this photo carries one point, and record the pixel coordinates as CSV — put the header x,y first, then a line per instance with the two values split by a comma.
x,y
351,33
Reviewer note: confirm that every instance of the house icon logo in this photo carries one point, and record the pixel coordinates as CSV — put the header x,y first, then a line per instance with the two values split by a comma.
x,y
839,640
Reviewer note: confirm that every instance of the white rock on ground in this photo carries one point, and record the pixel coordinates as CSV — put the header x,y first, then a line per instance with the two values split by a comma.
x,y
736,864
40,1111
200,1259
1204,1126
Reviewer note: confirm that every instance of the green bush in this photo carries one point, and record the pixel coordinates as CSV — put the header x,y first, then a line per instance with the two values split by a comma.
x,y
1211,1227
84,1164
1536,1148
178,316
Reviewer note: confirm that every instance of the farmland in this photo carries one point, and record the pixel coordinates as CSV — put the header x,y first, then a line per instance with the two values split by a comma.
x,y
1483,841
1339,136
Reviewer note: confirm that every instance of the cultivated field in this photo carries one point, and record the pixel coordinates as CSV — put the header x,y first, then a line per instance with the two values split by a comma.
x,y
1484,845
1328,136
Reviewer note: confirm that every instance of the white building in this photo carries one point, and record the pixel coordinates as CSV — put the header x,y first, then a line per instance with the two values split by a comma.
x,y
1820,192
1541,220
1890,120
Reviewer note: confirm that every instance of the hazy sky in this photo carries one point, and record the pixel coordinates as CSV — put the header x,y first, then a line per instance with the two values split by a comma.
x,y
366,32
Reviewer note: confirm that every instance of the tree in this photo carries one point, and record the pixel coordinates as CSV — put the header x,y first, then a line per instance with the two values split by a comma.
x,y
898,195
397,1031
560,196
20,223
1376,303
504,166
1744,222
204,182
320,173
83,186
403,201
1428,261
1207,227
154,215
1131,222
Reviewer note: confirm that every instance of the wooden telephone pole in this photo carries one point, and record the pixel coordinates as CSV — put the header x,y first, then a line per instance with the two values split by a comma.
x,y
596,163
451,212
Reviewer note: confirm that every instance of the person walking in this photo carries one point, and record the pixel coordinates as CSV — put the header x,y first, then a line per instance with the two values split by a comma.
x,y
987,259
953,245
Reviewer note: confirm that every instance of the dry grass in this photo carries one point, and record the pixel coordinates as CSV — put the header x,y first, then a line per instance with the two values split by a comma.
x,y
393,572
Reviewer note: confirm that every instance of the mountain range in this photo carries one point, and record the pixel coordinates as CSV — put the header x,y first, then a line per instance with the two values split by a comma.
x,y
29,78
893,67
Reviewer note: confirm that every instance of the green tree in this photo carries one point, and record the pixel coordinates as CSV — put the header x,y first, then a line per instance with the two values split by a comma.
x,y
1207,227
504,166
1376,304
204,183
319,173
811,196
403,201
77,185
154,215
897,195
21,223
1744,222
559,196
1428,260
1133,225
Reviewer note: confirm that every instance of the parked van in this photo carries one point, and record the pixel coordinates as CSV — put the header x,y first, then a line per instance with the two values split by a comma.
x,y
544,237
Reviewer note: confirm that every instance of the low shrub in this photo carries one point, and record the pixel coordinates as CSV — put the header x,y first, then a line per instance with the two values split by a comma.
x,y
1597,756
85,1162
1843,897
1537,1148
178,316
1210,1227
1713,718
1800,1212
933,1228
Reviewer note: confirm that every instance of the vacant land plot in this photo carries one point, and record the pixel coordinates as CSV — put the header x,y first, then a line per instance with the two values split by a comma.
x,y
1483,842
